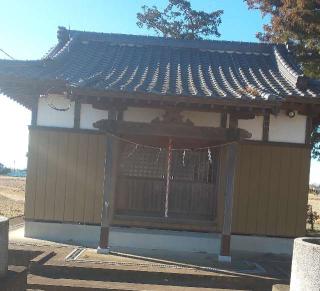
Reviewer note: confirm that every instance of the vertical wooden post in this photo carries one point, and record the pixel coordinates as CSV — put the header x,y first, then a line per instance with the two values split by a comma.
x,y
169,164
108,188
266,125
77,113
223,121
233,121
225,255
308,130
34,114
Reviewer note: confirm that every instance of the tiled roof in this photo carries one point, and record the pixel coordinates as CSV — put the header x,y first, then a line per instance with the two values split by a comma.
x,y
163,66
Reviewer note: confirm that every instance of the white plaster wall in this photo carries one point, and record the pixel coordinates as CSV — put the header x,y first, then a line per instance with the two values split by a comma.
x,y
150,239
89,115
210,119
139,114
261,244
254,126
48,116
285,129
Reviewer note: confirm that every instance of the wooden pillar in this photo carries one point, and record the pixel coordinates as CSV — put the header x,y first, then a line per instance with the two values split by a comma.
x,y
77,113
308,130
108,188
169,166
233,121
266,126
223,120
34,113
225,255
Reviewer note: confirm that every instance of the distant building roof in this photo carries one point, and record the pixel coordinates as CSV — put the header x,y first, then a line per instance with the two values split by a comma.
x,y
164,66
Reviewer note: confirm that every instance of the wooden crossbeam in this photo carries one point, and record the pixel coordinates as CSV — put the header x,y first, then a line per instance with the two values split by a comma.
x,y
172,130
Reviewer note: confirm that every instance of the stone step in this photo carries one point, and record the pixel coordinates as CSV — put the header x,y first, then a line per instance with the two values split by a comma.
x,y
183,278
63,284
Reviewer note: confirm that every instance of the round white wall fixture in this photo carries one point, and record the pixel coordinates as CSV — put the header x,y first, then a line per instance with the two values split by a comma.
x,y
305,271
4,228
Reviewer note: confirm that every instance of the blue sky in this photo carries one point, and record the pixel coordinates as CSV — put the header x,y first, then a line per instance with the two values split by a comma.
x,y
28,29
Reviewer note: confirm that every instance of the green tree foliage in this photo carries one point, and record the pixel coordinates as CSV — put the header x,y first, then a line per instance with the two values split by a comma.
x,y
178,20
312,217
296,22
4,170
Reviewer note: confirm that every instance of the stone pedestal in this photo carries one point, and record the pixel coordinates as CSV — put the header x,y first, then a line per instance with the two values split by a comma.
x,y
15,280
305,272
4,229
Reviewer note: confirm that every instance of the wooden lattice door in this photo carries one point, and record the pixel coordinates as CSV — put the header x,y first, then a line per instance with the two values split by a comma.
x,y
141,183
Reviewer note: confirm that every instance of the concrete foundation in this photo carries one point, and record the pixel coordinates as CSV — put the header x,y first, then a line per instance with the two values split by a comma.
x,y
4,230
140,238
305,272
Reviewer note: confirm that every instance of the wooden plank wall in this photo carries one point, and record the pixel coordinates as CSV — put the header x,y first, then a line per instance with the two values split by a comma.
x,y
271,190
65,184
65,176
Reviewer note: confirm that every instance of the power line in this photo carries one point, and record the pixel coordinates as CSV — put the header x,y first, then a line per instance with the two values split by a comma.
x,y
12,58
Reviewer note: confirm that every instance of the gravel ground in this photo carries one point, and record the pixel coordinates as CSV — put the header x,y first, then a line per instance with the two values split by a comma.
x,y
10,208
12,194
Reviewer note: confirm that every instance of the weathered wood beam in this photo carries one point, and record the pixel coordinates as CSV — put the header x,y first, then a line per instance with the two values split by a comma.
x,y
225,252
119,105
171,130
242,115
174,99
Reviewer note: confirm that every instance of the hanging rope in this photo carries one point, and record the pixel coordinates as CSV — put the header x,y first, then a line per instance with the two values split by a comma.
x,y
173,149
210,156
133,151
50,103
161,164
184,158
158,155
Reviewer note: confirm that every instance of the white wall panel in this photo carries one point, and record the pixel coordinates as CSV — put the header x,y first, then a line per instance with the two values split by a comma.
x,y
138,114
48,116
254,126
285,129
211,119
89,115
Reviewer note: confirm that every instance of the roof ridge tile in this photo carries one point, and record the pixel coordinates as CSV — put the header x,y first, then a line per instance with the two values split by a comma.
x,y
146,40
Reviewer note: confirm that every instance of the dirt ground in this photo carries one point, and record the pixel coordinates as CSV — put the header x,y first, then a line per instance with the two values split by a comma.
x,y
12,195
314,200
